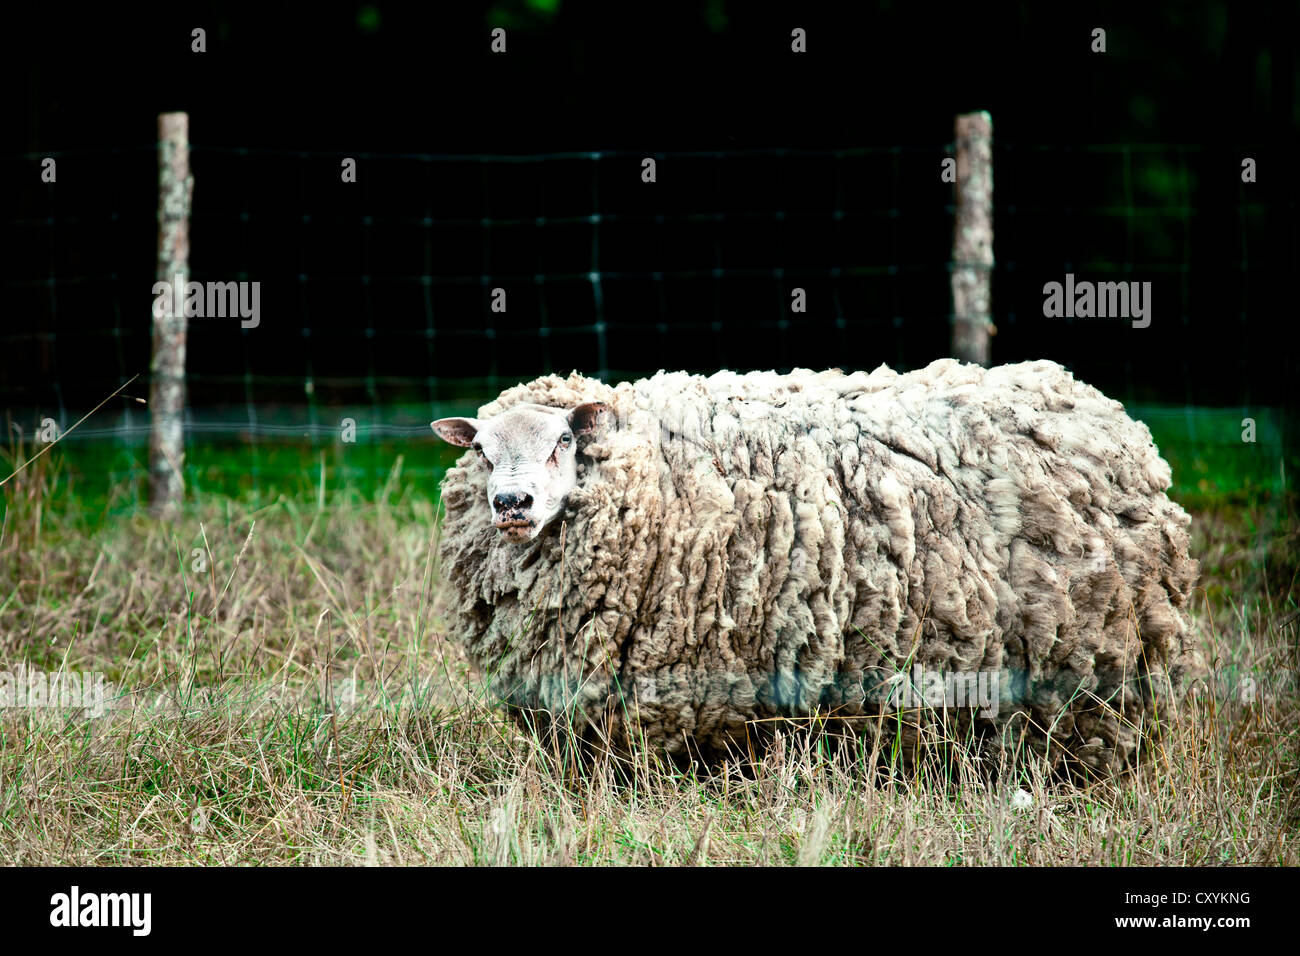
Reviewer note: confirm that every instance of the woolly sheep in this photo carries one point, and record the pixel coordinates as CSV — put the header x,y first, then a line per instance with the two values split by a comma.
x,y
702,557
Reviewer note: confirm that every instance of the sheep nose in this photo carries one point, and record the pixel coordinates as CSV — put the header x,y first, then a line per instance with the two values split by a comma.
x,y
509,501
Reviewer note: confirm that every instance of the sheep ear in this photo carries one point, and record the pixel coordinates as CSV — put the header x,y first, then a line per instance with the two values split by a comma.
x,y
457,431
589,418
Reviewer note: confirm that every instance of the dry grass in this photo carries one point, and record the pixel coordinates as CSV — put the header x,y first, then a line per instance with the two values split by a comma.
x,y
237,627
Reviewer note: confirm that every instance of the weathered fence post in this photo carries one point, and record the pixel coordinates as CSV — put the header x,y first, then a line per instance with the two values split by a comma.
x,y
972,239
167,367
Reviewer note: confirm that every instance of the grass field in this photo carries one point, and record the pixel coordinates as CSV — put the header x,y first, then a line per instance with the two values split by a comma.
x,y
287,697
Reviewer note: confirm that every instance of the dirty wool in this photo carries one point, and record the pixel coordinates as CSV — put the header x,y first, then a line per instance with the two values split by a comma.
x,y
744,550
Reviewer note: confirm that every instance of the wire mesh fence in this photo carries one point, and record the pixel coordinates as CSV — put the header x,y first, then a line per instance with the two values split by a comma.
x,y
435,280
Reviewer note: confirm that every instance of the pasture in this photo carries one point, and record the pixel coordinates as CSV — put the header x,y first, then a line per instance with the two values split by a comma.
x,y
279,690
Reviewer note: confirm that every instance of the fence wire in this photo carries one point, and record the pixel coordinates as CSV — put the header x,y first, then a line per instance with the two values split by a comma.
x,y
377,298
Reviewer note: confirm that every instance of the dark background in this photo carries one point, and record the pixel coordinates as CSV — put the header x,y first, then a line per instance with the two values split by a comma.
x,y
818,170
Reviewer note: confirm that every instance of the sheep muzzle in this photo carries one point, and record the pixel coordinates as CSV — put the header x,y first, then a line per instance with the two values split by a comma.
x,y
515,529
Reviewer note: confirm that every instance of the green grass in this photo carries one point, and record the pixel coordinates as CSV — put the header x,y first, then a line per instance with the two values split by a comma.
x,y
1211,464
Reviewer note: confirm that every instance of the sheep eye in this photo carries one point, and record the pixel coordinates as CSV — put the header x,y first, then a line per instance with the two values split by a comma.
x,y
566,440
482,457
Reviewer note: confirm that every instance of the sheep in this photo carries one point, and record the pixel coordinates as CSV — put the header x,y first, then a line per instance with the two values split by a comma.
x,y
685,562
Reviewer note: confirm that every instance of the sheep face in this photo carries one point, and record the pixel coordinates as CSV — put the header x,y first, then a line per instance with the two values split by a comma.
x,y
530,453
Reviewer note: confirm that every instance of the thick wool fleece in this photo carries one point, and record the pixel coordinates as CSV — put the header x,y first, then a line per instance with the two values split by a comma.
x,y
749,547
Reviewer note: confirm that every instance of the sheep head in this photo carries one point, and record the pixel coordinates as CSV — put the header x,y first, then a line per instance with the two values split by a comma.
x,y
530,452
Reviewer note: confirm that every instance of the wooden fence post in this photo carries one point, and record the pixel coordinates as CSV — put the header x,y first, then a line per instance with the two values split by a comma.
x,y
972,239
167,367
